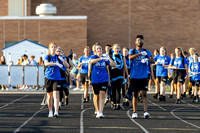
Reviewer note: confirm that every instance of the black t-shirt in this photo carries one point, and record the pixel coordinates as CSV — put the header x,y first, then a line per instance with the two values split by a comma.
x,y
117,72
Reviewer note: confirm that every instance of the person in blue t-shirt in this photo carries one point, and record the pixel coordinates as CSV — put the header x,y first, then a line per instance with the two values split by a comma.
x,y
83,64
192,51
53,78
162,61
194,69
179,64
139,73
100,79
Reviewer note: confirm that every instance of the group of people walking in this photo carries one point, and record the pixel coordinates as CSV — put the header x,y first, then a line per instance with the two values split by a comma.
x,y
118,69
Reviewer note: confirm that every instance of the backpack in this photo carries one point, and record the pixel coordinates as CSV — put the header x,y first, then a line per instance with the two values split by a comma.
x,y
182,60
49,58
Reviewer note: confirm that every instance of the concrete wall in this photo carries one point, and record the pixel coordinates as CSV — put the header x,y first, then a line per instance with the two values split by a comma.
x,y
170,23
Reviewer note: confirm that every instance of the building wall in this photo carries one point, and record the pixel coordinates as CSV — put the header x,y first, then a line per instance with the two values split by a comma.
x,y
3,7
68,34
170,23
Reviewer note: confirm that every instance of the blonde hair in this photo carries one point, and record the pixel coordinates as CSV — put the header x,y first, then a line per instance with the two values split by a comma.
x,y
192,50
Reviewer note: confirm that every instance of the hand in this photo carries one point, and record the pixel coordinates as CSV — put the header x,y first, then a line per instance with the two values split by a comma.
x,y
59,65
144,53
105,58
156,63
61,58
145,60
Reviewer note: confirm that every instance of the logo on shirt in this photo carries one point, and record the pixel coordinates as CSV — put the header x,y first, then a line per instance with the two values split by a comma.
x,y
177,63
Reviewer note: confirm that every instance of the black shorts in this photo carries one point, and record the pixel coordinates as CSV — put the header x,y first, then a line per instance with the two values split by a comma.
x,y
99,87
195,83
163,79
84,78
52,85
139,84
179,76
170,80
64,83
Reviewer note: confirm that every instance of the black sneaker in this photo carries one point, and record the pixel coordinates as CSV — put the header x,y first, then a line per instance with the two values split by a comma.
x,y
124,104
127,103
171,96
84,100
88,99
192,96
164,99
56,115
155,96
66,101
194,100
62,104
59,107
178,101
184,94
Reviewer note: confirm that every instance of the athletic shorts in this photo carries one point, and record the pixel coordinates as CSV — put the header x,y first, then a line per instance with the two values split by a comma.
x,y
84,78
64,83
139,84
195,83
170,80
52,85
163,79
179,76
99,87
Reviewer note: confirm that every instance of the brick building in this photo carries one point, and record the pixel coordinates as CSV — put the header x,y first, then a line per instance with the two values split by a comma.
x,y
170,23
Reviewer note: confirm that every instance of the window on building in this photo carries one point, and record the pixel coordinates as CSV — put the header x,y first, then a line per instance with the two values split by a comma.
x,y
8,43
15,7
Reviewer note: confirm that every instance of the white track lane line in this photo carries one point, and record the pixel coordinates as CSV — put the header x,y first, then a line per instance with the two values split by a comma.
x,y
13,101
82,102
81,119
172,112
21,126
157,105
136,122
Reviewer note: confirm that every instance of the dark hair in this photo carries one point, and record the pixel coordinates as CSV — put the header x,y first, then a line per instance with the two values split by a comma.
x,y
185,53
108,45
140,36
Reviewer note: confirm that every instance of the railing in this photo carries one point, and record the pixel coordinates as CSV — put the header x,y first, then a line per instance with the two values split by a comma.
x,y
21,75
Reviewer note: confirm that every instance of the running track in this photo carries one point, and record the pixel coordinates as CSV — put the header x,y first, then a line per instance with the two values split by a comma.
x,y
23,113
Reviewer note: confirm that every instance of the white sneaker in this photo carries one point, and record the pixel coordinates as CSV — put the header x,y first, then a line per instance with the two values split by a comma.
x,y
97,116
76,89
71,87
146,115
7,88
26,87
101,115
2,88
82,89
30,88
10,88
56,114
134,116
50,114
22,88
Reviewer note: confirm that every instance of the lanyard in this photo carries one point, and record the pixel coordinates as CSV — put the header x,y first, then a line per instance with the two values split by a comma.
x,y
120,61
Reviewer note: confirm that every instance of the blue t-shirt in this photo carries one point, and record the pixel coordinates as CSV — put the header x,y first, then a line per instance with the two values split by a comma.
x,y
139,70
99,71
52,72
85,61
195,67
160,70
178,62
33,63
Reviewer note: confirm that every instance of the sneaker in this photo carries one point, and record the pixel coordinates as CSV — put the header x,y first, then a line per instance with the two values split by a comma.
x,y
22,88
7,88
2,88
82,89
134,115
66,101
95,112
171,96
71,87
10,88
178,101
37,88
26,87
97,115
59,107
50,114
84,100
101,115
155,96
146,115
76,89
30,88
56,115
88,99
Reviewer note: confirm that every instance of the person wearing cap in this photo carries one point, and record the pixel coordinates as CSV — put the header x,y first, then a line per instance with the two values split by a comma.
x,y
139,74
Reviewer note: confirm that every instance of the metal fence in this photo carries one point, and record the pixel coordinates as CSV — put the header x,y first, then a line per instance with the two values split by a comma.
x,y
21,75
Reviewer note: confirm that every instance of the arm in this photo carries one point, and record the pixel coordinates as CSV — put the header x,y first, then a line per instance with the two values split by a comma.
x,y
112,63
71,65
125,70
151,59
132,57
47,63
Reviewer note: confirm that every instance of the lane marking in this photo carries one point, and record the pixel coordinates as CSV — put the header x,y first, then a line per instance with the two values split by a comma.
x,y
13,101
157,105
128,128
191,104
172,112
81,119
21,126
176,129
128,112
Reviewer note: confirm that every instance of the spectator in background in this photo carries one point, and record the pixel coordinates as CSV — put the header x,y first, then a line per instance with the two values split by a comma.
x,y
2,62
32,61
40,61
74,71
18,62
